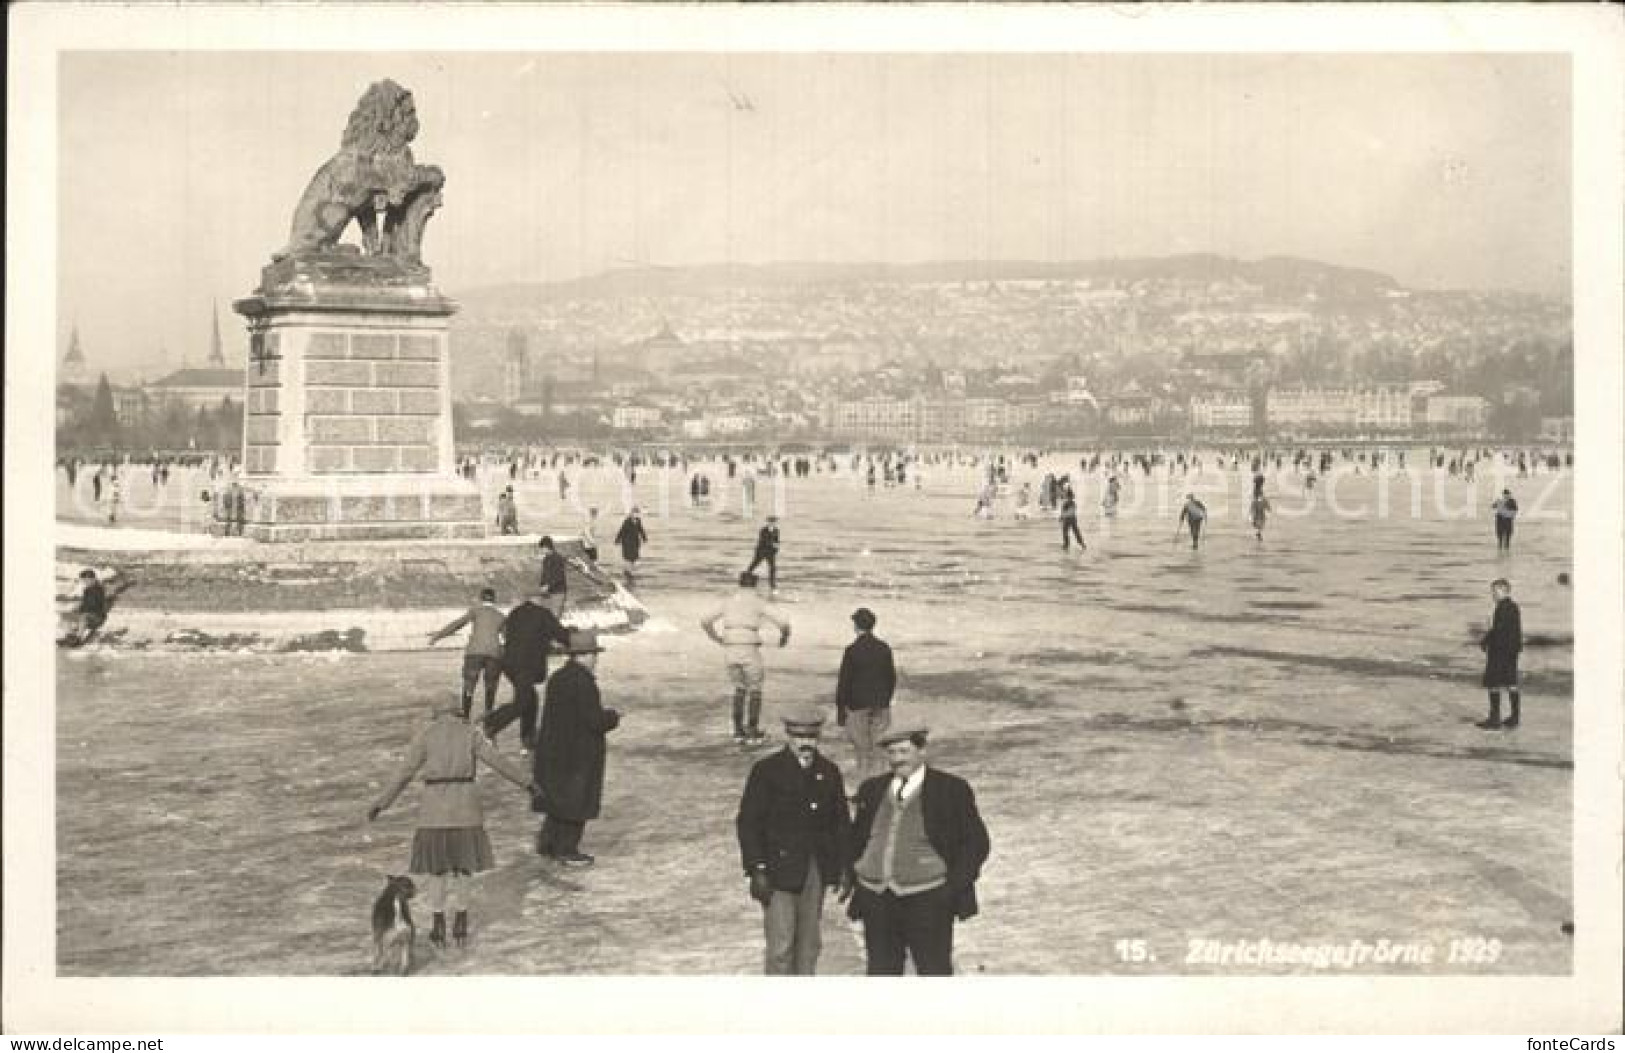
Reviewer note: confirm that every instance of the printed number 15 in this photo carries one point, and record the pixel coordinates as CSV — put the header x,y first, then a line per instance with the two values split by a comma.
x,y
1133,951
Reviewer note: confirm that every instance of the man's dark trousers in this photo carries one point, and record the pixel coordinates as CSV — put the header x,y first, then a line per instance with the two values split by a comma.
x,y
920,927
1069,530
559,837
524,707
772,561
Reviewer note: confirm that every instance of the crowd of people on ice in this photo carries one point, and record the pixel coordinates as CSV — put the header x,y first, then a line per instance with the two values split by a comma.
x,y
904,849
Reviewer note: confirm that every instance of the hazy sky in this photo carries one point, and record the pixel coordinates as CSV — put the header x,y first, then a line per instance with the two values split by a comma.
x,y
179,171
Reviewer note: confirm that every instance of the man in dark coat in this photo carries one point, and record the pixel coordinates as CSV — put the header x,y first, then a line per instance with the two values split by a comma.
x,y
631,537
793,832
570,749
1502,645
767,551
525,635
863,693
555,583
918,845
1069,522
1505,510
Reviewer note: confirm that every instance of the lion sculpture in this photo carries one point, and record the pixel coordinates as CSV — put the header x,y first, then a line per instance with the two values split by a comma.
x,y
372,177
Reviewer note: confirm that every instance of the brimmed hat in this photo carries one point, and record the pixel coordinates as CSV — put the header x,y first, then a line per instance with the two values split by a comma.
x,y
798,718
903,731
583,641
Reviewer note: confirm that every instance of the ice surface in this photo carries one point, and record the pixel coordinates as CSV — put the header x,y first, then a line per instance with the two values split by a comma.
x,y
1250,741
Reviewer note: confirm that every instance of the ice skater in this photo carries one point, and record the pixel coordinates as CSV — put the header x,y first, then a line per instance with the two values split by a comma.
x,y
741,618
482,655
1069,522
568,769
1505,510
1113,497
767,551
1258,512
450,843
589,535
1192,514
1501,646
92,612
631,537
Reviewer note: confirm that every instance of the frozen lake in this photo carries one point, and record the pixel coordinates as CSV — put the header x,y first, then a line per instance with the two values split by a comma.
x,y
1250,741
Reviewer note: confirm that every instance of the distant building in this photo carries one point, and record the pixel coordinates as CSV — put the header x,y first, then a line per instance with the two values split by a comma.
x,y
75,372
1379,409
731,423
516,368
1220,411
1456,412
659,351
636,418
1131,407
196,388
1077,392
1557,429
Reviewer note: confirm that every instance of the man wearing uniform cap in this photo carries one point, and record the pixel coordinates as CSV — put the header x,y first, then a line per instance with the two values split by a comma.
x,y
918,845
793,840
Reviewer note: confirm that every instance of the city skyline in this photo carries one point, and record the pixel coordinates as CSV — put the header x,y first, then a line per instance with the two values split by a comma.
x,y
589,163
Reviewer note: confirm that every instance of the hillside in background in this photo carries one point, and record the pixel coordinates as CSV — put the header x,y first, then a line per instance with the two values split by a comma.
x,y
1278,276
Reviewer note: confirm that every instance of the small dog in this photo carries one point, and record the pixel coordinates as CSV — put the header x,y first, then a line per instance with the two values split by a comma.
x,y
393,935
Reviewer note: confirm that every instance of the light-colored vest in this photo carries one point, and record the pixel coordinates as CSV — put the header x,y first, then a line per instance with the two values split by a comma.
x,y
898,856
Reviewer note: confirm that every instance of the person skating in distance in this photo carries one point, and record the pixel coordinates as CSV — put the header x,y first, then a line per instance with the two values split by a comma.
x,y
1192,514
767,551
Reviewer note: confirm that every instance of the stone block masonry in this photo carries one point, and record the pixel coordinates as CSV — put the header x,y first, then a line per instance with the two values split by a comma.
x,y
372,403
348,431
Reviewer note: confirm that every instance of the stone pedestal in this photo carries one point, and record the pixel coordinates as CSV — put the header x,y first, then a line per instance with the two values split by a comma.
x,y
347,424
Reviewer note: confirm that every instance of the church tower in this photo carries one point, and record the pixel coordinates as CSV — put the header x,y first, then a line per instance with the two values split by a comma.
x,y
516,367
217,357
74,370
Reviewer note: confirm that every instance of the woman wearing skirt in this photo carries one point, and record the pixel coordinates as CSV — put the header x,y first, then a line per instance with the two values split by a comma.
x,y
450,843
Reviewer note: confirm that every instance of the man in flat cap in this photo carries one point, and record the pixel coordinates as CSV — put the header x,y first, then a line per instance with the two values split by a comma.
x,y
864,691
793,839
918,845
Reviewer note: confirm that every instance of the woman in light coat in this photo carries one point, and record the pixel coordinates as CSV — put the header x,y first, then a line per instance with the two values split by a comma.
x,y
450,843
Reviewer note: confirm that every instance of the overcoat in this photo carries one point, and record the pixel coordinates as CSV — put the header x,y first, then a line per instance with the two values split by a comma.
x,y
569,760
1502,644
631,537
788,816
525,637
